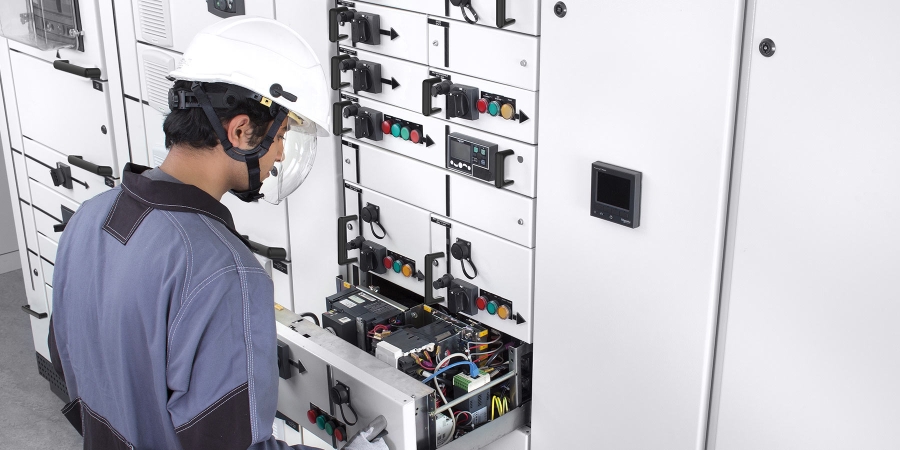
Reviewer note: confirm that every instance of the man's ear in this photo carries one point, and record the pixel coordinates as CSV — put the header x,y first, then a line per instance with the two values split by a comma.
x,y
238,130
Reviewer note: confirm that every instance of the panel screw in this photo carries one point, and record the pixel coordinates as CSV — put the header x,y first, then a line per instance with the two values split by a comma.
x,y
349,226
347,160
103,129
524,63
35,272
435,263
767,47
560,9
521,222
435,43
520,159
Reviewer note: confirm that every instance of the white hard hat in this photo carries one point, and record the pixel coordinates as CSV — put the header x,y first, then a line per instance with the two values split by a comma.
x,y
264,56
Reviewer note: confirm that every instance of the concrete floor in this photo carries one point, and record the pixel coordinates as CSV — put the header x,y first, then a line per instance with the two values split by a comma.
x,y
30,415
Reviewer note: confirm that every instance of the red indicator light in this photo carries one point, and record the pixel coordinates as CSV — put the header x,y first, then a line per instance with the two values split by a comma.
x,y
481,303
386,126
388,262
414,136
482,105
312,415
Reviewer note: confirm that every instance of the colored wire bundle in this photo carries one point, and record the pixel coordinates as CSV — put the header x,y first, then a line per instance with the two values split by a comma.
x,y
499,406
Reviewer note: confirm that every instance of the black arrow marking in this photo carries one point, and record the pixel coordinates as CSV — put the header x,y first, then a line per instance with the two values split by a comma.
x,y
519,319
428,141
393,82
419,275
522,117
392,33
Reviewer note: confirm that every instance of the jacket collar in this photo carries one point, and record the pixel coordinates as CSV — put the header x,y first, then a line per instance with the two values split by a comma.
x,y
169,196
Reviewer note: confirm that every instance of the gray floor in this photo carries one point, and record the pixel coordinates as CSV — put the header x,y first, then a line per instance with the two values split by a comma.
x,y
29,412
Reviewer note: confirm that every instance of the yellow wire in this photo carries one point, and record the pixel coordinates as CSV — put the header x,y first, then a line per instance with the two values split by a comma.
x,y
505,405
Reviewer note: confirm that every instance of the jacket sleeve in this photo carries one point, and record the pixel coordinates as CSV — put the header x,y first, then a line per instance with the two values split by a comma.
x,y
221,369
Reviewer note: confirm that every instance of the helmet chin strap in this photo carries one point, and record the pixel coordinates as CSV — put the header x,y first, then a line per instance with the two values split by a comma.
x,y
249,157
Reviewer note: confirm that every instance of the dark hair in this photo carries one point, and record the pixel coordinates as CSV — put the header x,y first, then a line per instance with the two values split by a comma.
x,y
191,127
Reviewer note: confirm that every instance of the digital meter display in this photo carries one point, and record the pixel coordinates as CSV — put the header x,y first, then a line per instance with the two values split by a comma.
x,y
460,151
613,190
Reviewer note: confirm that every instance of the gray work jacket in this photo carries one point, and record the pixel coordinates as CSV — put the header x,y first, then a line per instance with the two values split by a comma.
x,y
163,322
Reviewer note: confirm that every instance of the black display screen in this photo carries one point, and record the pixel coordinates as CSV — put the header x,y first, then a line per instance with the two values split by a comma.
x,y
460,151
613,190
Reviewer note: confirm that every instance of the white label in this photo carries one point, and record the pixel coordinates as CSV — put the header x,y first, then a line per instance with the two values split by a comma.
x,y
357,299
347,303
344,320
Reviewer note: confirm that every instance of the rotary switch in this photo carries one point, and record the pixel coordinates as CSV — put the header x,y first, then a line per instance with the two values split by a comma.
x,y
462,296
367,122
463,102
366,75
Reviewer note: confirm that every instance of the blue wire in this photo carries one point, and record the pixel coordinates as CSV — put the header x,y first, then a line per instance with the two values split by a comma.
x,y
473,370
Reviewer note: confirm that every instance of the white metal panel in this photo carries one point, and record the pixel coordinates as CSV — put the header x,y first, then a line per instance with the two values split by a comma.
x,y
137,135
47,249
644,300
408,75
92,56
407,232
523,128
44,223
505,214
127,45
118,122
38,85
310,439
526,13
85,185
403,178
156,138
410,27
21,176
154,66
50,201
350,164
511,58
29,229
504,269
10,113
517,440
431,127
809,323
38,301
261,221
422,6
313,209
48,278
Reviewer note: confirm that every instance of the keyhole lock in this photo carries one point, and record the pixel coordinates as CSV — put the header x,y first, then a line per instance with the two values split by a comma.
x,y
560,9
767,47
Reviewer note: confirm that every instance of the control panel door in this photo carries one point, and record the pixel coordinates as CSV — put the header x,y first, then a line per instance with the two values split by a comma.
x,y
50,209
413,182
38,305
82,130
388,31
521,16
518,160
502,270
399,82
53,170
484,53
505,214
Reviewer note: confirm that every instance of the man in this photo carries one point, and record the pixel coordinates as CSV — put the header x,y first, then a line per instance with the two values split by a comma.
x,y
163,321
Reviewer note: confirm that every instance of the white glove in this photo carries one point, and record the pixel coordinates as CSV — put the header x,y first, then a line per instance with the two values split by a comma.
x,y
361,440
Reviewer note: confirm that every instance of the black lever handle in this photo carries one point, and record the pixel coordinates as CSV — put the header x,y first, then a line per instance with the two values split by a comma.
x,y
500,180
273,253
333,29
337,118
34,313
103,171
430,299
85,72
336,83
502,21
427,108
343,258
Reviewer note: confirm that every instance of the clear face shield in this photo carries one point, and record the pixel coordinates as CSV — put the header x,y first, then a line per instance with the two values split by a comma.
x,y
299,155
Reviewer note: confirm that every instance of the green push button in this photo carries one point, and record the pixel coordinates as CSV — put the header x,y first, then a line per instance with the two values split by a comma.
x,y
398,266
395,130
492,307
494,108
320,422
329,428
404,133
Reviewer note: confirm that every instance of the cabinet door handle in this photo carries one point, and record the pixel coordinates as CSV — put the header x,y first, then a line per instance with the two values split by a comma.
x,y
343,258
502,21
427,108
34,313
103,171
430,299
500,180
333,19
86,72
273,253
336,83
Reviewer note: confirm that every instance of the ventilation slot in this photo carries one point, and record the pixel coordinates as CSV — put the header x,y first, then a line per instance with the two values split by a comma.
x,y
156,25
156,86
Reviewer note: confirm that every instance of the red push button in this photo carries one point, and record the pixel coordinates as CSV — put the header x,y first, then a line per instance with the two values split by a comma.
x,y
386,126
481,303
482,105
312,415
388,262
339,434
414,136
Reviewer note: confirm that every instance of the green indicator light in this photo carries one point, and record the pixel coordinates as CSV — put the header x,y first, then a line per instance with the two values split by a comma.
x,y
404,133
329,428
320,422
492,307
494,108
397,266
395,130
